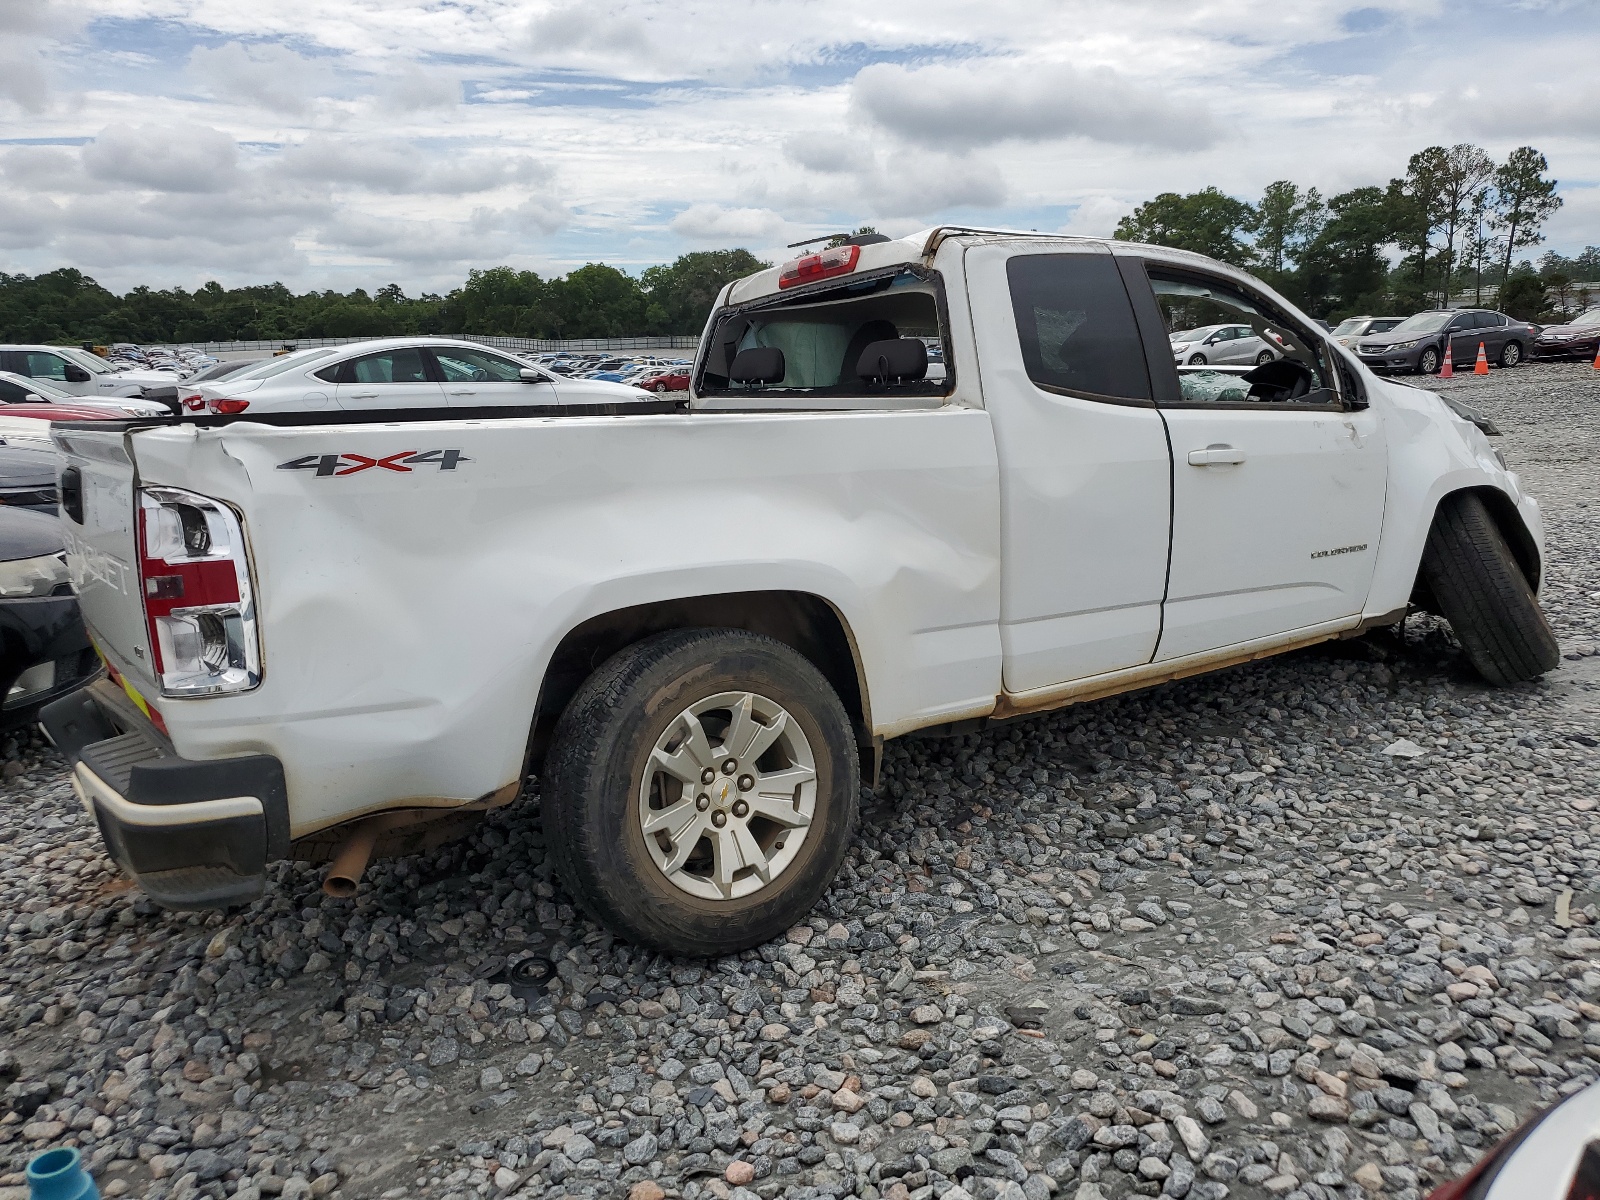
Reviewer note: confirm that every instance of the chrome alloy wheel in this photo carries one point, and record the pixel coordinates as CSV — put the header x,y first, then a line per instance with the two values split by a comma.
x,y
728,795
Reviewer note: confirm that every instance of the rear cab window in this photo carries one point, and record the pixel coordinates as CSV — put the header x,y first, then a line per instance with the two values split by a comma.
x,y
1076,327
875,341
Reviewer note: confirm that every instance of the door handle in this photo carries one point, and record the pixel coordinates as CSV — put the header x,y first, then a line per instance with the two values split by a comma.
x,y
467,392
1215,455
363,395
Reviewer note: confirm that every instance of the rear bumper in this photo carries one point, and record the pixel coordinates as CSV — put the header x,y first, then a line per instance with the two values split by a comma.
x,y
192,834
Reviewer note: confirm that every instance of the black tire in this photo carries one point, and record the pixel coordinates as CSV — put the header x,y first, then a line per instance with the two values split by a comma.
x,y
661,387
1511,354
1197,360
1428,361
598,758
1484,595
1263,358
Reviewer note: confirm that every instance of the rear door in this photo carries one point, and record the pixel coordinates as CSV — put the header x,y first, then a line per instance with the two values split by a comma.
x,y
1277,500
1085,476
401,377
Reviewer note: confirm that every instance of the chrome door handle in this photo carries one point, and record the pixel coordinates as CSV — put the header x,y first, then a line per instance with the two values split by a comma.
x,y
363,395
1215,455
468,392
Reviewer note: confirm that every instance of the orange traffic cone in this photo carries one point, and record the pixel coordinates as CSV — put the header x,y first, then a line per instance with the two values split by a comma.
x,y
1447,371
1481,367
1597,356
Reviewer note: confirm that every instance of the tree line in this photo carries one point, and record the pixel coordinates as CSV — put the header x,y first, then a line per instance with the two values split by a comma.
x,y
596,300
1455,223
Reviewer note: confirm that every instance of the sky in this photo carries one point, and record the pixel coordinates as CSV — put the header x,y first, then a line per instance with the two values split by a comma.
x,y
345,143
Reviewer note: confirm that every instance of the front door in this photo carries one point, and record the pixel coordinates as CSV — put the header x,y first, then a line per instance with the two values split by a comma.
x,y
1278,487
477,378
1084,471
1465,333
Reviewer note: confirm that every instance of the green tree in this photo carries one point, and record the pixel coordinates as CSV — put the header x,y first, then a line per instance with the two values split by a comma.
x,y
1287,219
681,295
1466,172
597,301
1342,271
840,239
1524,201
1207,222
1524,297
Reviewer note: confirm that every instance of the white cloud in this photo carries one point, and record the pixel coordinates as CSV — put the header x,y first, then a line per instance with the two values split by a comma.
x,y
1096,216
168,158
400,167
725,226
270,76
979,104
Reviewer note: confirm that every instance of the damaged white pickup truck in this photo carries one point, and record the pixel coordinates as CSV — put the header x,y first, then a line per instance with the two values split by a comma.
x,y
916,484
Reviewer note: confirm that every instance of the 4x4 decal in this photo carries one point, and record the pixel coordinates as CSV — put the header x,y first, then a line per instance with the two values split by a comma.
x,y
354,464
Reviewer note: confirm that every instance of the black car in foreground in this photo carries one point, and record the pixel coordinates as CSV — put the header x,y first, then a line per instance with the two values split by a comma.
x,y
1578,338
28,478
1418,343
44,650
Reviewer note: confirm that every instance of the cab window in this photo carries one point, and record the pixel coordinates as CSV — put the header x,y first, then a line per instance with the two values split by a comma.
x,y
866,338
38,365
1076,327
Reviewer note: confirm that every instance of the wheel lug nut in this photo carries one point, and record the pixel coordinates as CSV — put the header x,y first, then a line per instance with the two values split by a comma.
x,y
746,782
740,808
702,802
719,818
707,775
729,767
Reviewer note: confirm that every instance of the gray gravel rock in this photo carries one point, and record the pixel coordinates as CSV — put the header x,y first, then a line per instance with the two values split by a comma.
x,y
1206,940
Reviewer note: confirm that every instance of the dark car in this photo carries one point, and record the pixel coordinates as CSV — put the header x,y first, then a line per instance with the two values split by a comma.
x,y
1418,343
1578,338
44,651
28,478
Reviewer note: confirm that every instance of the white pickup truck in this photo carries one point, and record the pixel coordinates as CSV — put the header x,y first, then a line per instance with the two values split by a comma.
x,y
334,634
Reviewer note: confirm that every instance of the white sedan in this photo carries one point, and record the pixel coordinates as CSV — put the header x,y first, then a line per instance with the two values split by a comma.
x,y
1232,345
399,373
19,389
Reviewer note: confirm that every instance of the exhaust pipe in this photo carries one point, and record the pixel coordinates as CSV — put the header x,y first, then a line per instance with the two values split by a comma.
x,y
344,874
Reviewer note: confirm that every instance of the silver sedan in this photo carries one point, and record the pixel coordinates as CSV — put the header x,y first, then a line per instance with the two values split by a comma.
x,y
1230,344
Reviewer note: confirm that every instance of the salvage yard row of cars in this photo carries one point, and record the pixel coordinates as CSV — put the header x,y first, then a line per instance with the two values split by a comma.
x,y
1418,344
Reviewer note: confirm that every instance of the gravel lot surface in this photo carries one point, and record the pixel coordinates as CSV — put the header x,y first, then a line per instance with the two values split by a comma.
x,y
1323,926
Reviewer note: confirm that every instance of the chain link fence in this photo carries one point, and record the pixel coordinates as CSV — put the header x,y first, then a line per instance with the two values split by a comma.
x,y
526,345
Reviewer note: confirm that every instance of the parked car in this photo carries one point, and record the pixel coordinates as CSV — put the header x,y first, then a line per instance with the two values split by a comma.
x,y
28,477
1417,344
1352,329
673,379
1578,338
699,623
399,373
84,374
44,650
1221,344
19,389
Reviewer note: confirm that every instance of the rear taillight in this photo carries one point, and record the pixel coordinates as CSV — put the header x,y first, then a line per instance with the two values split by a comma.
x,y
195,579
228,408
195,403
840,260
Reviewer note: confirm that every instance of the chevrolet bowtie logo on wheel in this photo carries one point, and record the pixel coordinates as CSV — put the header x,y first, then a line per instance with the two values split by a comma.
x,y
354,464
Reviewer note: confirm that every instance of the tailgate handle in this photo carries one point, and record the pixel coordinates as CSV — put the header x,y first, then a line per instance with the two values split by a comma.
x,y
72,493
1215,455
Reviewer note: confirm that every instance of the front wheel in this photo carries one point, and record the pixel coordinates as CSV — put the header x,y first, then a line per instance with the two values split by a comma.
x,y
1483,593
1511,354
701,791
1197,360
1428,361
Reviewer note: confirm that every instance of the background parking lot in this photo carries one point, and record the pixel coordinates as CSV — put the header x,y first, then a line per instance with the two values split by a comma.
x,y
1320,926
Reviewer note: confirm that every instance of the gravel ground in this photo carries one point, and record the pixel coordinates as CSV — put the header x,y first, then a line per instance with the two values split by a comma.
x,y
1318,927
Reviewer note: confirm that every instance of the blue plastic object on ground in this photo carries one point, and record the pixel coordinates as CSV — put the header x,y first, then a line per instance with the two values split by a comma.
x,y
59,1175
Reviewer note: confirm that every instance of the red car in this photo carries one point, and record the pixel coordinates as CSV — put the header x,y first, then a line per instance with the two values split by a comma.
x,y
60,412
675,379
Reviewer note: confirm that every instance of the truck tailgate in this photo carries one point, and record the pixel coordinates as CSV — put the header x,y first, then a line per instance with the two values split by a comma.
x,y
97,521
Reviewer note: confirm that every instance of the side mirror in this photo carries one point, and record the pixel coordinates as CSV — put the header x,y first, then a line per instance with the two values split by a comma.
x,y
758,365
76,374
529,375
34,398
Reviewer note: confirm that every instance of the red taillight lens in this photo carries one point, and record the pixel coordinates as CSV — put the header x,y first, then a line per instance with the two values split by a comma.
x,y
195,581
840,260
195,403
228,408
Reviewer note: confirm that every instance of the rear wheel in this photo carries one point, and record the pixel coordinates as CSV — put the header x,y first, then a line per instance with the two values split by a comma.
x,y
1428,361
1484,595
1263,358
701,791
661,387
1511,354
